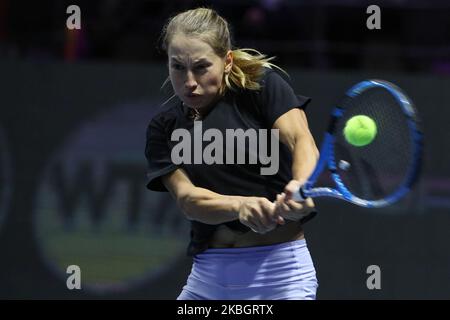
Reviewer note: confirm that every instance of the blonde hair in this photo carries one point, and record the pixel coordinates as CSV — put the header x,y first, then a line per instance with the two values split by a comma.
x,y
208,26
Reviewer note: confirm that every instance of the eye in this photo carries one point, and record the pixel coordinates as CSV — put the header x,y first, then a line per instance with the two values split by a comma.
x,y
201,67
177,66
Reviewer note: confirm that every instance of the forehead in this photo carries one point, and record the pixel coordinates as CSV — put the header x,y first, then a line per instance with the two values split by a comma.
x,y
190,48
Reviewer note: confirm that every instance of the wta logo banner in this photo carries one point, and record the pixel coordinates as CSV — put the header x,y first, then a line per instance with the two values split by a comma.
x,y
93,209
5,177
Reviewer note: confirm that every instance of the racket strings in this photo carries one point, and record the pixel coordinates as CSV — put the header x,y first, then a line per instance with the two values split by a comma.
x,y
378,169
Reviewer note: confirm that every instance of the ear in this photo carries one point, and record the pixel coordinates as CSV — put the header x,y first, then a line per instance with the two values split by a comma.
x,y
228,61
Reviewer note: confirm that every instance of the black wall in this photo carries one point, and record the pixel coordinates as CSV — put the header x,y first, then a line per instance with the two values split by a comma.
x,y
47,109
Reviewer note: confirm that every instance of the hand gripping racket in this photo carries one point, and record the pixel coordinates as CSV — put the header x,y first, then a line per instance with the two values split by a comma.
x,y
381,172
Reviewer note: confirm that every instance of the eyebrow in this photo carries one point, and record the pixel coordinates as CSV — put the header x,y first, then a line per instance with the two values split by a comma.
x,y
201,60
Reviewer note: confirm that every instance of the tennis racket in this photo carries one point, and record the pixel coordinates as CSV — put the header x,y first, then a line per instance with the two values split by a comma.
x,y
381,172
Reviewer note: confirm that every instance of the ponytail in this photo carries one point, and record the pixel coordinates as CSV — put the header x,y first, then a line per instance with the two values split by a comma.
x,y
247,70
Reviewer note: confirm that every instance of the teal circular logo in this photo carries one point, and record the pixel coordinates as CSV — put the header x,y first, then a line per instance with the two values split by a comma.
x,y
93,210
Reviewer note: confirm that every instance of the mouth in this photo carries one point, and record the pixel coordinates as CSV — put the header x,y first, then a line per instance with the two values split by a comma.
x,y
192,95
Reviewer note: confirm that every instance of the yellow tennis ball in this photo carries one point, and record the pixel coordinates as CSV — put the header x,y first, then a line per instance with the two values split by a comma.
x,y
360,130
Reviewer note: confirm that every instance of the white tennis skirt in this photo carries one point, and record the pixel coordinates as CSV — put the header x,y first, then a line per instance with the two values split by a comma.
x,y
282,271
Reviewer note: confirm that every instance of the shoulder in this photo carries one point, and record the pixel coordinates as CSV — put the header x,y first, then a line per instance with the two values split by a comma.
x,y
274,78
269,80
274,86
166,116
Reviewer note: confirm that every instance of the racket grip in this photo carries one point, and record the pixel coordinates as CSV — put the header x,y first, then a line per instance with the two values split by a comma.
x,y
298,196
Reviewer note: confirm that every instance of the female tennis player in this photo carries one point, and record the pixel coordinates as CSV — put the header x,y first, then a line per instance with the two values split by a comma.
x,y
247,240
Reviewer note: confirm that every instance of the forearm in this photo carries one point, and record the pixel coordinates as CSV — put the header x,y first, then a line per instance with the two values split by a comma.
x,y
206,206
304,158
201,204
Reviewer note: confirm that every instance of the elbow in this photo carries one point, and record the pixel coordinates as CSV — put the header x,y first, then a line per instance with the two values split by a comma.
x,y
308,144
183,191
186,204
316,152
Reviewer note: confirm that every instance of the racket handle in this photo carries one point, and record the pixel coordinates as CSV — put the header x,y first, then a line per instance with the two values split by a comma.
x,y
298,196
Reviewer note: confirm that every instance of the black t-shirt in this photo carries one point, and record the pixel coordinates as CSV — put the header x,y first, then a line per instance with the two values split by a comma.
x,y
240,109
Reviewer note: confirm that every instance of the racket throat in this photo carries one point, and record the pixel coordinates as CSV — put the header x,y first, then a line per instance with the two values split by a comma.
x,y
299,195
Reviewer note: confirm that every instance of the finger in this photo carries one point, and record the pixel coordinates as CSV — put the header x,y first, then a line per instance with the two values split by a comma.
x,y
284,207
261,220
270,227
280,220
251,225
294,205
309,203
251,222
264,216
269,209
279,210
256,226
275,211
268,221
291,188
300,209
278,203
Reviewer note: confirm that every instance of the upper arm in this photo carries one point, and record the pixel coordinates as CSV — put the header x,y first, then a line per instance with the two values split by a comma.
x,y
293,127
158,154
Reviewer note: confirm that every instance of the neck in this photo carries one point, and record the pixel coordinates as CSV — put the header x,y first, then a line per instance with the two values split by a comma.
x,y
199,113
195,114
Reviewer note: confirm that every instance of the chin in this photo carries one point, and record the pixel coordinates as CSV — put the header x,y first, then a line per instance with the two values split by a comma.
x,y
192,104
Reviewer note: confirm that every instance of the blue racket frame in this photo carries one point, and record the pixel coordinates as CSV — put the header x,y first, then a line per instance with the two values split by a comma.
x,y
327,158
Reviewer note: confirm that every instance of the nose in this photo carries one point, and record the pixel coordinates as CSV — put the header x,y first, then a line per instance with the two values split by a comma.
x,y
190,82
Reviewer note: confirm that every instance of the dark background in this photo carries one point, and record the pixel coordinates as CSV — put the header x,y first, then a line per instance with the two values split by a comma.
x,y
74,107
